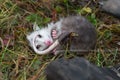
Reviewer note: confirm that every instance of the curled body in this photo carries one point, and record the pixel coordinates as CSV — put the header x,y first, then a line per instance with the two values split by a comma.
x,y
85,39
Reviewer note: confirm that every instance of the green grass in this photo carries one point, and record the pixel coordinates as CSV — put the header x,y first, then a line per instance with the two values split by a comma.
x,y
19,62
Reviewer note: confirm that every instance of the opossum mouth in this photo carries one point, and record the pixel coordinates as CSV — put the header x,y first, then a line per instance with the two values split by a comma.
x,y
38,47
48,47
52,51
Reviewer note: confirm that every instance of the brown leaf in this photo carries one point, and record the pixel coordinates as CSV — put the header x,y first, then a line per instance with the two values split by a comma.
x,y
8,40
54,15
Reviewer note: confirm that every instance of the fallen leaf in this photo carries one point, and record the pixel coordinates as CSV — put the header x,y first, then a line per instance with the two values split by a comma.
x,y
54,15
7,40
87,9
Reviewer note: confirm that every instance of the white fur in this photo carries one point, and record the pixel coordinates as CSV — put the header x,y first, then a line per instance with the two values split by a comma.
x,y
35,40
35,27
44,32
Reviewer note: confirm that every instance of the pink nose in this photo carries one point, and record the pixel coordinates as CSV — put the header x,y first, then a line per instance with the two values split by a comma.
x,y
48,43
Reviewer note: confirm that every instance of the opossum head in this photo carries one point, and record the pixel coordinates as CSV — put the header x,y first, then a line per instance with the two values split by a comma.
x,y
42,38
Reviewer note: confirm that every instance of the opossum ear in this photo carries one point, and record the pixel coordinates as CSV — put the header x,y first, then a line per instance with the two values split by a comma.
x,y
28,36
35,27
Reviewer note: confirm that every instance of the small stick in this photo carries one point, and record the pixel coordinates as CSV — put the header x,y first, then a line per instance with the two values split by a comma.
x,y
2,43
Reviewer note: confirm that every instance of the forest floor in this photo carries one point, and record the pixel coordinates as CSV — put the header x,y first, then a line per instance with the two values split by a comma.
x,y
19,62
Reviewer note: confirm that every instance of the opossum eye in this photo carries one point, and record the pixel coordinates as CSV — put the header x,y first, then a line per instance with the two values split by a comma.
x,y
39,36
38,46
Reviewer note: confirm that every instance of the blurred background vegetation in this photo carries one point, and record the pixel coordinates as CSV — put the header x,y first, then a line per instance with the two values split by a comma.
x,y
19,62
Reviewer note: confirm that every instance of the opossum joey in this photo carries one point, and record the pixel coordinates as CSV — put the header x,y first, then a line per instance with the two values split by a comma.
x,y
60,31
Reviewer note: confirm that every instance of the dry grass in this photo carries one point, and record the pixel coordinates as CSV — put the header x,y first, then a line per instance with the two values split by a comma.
x,y
19,62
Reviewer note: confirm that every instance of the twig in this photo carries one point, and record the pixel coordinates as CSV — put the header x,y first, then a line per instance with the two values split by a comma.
x,y
2,43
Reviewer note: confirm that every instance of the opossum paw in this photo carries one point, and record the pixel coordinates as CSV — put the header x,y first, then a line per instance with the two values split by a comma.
x,y
54,52
54,34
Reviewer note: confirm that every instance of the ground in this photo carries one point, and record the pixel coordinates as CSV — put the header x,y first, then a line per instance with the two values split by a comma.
x,y
19,62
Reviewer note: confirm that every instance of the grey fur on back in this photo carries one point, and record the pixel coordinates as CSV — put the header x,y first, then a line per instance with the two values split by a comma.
x,y
86,38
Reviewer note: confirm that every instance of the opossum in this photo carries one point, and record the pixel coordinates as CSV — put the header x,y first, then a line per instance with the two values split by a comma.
x,y
111,7
79,32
